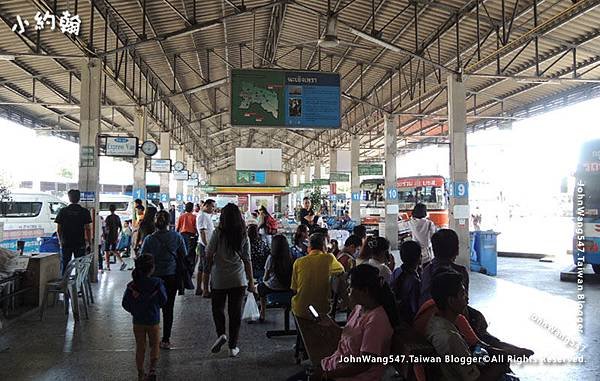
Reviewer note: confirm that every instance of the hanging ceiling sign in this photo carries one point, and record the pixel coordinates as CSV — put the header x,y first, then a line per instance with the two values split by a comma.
x,y
339,177
118,146
370,169
281,98
181,175
160,165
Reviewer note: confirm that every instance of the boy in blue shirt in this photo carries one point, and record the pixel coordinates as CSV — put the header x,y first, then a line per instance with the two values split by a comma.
x,y
143,298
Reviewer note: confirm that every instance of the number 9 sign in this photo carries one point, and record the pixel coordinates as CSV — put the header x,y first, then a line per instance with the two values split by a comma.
x,y
460,189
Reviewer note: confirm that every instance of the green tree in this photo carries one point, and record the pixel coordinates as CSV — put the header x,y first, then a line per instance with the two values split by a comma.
x,y
66,173
315,198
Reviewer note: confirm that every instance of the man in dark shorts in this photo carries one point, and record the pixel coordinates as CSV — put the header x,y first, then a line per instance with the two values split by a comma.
x,y
113,230
74,228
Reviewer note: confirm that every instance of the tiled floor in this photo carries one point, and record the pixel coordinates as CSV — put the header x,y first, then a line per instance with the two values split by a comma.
x,y
101,348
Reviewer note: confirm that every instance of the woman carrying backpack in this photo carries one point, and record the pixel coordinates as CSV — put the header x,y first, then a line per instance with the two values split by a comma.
x,y
267,225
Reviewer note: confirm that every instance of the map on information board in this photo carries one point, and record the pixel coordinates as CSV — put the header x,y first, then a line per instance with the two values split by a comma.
x,y
281,98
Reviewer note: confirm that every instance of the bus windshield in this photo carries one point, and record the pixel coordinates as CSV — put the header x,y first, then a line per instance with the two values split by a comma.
x,y
420,194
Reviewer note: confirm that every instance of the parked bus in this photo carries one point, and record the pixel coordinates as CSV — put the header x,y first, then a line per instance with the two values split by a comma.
x,y
586,206
429,190
122,203
371,201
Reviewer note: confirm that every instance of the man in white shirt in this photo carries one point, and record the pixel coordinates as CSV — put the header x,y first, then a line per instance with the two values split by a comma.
x,y
205,227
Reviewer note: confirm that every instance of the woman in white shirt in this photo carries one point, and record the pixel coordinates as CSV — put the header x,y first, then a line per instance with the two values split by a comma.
x,y
422,229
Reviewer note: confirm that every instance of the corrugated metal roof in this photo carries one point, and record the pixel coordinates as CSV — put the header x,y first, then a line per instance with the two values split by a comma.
x,y
239,37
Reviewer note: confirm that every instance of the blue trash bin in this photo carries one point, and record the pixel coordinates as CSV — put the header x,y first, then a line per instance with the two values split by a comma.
x,y
484,252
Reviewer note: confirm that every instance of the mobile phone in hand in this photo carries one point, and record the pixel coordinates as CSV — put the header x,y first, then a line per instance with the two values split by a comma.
x,y
313,312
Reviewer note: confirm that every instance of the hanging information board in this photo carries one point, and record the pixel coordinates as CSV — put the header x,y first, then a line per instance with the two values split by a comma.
x,y
118,146
181,175
282,98
251,177
160,165
370,169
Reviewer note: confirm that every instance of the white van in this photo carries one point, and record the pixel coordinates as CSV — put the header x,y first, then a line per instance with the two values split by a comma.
x,y
28,217
123,204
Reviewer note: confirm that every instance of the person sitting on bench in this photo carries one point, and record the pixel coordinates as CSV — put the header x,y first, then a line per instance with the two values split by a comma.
x,y
451,299
445,250
278,272
380,257
406,282
349,252
311,278
369,329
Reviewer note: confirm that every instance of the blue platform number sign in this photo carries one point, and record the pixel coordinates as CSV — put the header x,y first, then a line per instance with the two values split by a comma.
x,y
355,196
164,197
179,197
139,193
88,196
190,198
460,189
332,197
391,194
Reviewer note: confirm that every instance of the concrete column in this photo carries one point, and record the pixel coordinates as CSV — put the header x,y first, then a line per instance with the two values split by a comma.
x,y
354,179
459,204
391,202
332,160
139,164
189,165
318,169
165,153
307,176
179,154
89,163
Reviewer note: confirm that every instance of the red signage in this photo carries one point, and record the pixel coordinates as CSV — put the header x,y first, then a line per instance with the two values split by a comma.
x,y
413,182
243,202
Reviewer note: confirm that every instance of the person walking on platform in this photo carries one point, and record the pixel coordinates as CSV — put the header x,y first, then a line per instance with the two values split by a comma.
x,y
147,226
422,229
205,227
74,229
165,246
113,230
228,260
186,226
143,298
172,215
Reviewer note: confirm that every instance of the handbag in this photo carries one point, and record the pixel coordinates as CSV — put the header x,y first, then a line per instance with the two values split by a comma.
x,y
182,275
